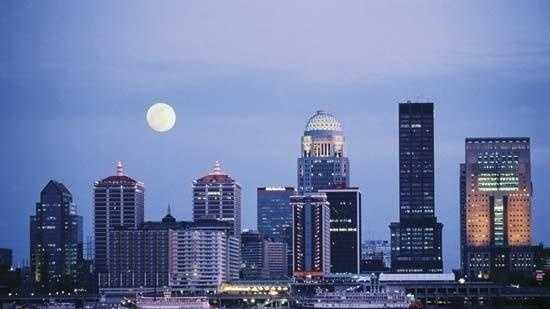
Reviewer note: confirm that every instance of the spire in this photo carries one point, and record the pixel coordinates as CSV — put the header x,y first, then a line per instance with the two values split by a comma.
x,y
217,170
119,169
168,218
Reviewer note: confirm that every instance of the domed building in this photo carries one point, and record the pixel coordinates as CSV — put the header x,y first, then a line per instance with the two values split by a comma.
x,y
327,211
323,164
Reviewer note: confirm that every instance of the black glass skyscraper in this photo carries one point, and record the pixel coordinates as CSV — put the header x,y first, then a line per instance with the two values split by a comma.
x,y
416,238
345,230
56,240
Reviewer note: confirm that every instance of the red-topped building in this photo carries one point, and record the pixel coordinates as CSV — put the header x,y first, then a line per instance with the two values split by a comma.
x,y
218,196
118,202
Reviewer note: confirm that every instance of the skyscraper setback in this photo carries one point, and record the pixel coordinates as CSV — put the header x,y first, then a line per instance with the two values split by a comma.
x,y
416,238
496,193
118,201
55,239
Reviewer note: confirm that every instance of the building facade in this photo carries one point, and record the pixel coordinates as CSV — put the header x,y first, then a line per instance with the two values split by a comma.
x,y
252,256
323,163
275,260
55,240
139,257
262,257
274,212
345,230
203,256
311,237
218,196
496,193
118,202
379,250
275,216
416,239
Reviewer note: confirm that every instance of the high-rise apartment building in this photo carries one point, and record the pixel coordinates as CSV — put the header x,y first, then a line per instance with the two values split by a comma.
x,y
218,196
311,237
203,256
416,239
323,163
118,201
345,230
496,193
55,240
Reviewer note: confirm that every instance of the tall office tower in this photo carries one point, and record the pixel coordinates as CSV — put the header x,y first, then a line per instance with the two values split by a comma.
x,y
345,230
323,164
203,256
311,235
416,238
274,211
496,196
55,239
139,257
218,196
118,201
275,216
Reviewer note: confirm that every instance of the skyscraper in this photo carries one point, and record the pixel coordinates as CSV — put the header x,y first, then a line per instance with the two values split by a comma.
x,y
218,196
496,193
416,238
322,164
275,216
345,229
311,237
274,211
118,201
55,239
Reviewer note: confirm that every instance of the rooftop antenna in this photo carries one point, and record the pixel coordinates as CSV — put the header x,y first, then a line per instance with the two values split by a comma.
x,y
119,169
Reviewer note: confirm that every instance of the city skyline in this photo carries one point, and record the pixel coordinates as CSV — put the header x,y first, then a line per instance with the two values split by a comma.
x,y
76,110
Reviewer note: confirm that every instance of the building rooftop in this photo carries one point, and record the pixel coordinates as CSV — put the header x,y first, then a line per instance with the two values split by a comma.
x,y
117,179
217,175
323,121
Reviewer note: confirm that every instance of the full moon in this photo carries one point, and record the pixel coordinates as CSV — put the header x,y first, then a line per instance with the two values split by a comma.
x,y
161,117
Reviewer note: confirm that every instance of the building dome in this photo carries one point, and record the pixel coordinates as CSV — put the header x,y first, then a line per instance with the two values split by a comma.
x,y
323,121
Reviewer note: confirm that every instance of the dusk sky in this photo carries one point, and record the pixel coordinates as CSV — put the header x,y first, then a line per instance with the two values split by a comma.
x,y
76,79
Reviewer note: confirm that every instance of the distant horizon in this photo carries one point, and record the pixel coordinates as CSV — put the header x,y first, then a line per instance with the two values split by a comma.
x,y
77,79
